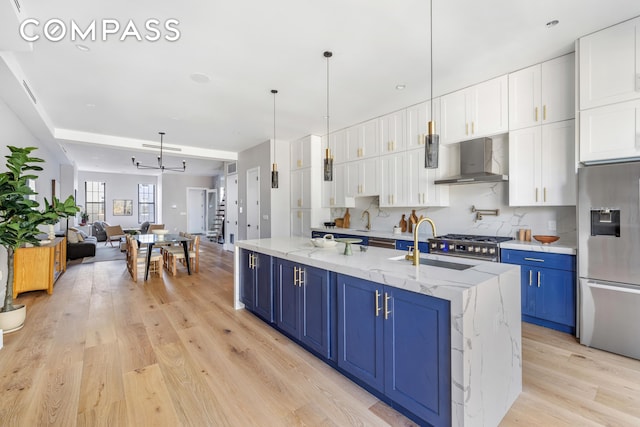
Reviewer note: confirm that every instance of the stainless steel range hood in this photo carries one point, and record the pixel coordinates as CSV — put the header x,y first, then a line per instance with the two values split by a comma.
x,y
475,164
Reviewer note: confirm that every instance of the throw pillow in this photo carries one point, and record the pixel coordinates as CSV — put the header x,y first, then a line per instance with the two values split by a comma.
x,y
80,237
83,234
72,237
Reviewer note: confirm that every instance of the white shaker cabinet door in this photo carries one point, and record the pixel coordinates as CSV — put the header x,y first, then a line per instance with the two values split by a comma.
x,y
392,129
610,133
524,166
558,167
392,180
558,101
610,65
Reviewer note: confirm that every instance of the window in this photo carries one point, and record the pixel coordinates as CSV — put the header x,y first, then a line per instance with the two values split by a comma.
x,y
94,200
146,203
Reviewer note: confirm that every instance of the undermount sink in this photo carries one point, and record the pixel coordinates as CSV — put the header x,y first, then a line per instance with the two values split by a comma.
x,y
437,263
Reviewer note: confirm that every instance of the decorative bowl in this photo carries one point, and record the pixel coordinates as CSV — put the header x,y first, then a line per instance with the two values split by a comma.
x,y
160,232
324,242
545,240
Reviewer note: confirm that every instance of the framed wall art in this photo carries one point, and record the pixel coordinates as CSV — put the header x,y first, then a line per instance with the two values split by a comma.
x,y
122,207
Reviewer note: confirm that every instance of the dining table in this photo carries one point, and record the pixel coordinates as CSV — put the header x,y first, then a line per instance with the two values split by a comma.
x,y
150,240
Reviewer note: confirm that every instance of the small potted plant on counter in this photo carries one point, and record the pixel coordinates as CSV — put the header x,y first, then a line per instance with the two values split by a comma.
x,y
84,217
19,221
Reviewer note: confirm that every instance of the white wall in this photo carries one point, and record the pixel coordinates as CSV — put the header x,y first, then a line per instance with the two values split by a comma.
x,y
274,203
13,132
174,198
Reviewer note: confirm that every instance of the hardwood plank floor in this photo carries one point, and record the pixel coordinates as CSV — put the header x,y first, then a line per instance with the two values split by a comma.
x,y
103,350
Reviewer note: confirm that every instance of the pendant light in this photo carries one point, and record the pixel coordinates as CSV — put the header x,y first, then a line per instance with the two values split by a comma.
x,y
328,158
274,171
432,140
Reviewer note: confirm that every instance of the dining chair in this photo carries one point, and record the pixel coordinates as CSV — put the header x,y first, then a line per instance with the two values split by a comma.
x,y
176,253
137,259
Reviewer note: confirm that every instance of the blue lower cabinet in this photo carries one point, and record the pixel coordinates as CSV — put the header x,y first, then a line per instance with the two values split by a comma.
x,y
548,288
398,343
256,283
303,305
360,330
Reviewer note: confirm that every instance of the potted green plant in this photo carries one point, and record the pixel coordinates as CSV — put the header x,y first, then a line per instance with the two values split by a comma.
x,y
19,221
84,217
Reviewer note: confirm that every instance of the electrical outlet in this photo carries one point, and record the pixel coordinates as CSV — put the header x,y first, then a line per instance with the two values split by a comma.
x,y
552,225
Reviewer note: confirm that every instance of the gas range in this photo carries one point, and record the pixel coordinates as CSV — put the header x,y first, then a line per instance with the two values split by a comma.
x,y
486,248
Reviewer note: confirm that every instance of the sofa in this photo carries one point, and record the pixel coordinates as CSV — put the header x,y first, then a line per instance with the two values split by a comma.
x,y
79,245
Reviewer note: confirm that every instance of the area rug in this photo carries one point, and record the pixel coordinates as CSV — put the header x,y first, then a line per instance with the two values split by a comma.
x,y
105,253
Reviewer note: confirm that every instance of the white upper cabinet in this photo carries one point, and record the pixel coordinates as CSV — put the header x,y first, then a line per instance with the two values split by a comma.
x,y
610,133
337,145
301,153
417,118
362,140
393,179
334,192
610,65
362,177
420,189
301,188
543,93
542,165
392,132
477,111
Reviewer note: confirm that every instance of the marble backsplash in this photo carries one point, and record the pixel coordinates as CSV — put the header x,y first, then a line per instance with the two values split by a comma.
x,y
458,217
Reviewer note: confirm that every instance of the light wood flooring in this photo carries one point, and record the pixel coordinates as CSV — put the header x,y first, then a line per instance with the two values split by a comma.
x,y
103,350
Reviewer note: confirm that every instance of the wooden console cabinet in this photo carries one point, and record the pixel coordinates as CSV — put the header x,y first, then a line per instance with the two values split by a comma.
x,y
38,267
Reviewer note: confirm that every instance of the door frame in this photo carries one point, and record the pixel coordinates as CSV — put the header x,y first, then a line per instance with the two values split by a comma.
x,y
251,171
202,209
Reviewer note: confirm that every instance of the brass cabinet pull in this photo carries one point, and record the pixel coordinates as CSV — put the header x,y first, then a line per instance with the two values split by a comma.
x,y
544,112
466,128
300,276
473,128
536,114
386,306
538,279
299,203
332,201
536,194
295,276
530,277
545,194
299,163
378,308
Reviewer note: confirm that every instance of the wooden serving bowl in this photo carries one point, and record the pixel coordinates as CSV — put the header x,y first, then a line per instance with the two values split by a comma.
x,y
545,240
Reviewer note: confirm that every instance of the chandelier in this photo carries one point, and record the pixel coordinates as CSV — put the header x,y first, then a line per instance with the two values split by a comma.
x,y
161,165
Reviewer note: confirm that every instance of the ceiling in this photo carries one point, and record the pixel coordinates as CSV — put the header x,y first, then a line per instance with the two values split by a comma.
x,y
122,93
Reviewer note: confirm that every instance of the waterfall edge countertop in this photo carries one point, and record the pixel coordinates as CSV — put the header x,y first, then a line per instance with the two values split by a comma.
x,y
486,359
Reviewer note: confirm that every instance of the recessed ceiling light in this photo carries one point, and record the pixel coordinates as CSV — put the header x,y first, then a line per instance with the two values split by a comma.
x,y
91,105
200,78
552,23
400,87
83,48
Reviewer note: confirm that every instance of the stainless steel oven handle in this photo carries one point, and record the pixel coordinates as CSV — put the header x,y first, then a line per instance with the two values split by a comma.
x,y
534,259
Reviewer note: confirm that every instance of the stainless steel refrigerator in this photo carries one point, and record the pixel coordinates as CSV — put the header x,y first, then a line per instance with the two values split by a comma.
x,y
609,257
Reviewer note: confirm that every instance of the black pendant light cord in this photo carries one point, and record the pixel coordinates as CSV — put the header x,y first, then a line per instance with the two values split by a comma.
x,y
431,55
328,55
273,91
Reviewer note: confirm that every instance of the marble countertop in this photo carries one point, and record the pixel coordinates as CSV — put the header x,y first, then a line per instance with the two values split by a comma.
x,y
566,245
384,266
371,233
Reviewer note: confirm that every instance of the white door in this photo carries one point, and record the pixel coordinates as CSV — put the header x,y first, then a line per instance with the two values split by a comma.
x,y
253,203
231,226
196,210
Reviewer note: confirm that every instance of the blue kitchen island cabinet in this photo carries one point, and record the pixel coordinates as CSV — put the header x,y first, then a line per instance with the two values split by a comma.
x,y
303,305
548,288
398,343
256,283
